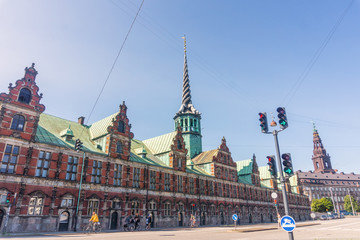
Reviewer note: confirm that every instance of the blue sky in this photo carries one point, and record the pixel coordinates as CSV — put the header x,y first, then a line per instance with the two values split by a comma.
x,y
244,57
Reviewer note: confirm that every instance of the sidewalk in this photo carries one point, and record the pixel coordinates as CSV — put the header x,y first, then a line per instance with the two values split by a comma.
x,y
228,228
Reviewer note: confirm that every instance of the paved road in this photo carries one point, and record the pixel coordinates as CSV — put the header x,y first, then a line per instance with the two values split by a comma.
x,y
348,228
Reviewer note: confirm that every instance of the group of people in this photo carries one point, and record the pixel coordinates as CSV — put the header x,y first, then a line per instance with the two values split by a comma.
x,y
136,221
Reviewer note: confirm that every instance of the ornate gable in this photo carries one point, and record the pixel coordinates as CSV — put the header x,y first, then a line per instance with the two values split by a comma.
x,y
25,92
21,108
119,140
178,152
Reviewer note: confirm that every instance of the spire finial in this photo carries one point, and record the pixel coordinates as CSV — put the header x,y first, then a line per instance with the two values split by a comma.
x,y
184,37
314,126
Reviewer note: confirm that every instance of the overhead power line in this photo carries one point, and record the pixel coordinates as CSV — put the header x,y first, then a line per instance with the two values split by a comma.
x,y
114,63
290,95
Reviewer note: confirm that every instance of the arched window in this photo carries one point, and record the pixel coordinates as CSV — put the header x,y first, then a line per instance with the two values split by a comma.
x,y
119,148
25,96
18,122
121,127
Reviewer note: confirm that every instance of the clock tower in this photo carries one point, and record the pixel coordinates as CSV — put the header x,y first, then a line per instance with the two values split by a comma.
x,y
188,118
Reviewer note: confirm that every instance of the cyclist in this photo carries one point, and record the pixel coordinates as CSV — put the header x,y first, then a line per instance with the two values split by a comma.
x,y
192,220
94,220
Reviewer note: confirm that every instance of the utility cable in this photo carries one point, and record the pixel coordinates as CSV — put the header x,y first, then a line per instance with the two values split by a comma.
x,y
289,96
113,65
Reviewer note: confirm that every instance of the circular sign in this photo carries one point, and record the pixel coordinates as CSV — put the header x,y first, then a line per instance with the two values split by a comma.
x,y
274,195
312,215
234,217
287,223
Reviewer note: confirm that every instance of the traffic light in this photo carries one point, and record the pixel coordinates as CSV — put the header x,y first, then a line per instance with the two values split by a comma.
x,y
287,163
263,122
272,165
78,145
8,197
282,117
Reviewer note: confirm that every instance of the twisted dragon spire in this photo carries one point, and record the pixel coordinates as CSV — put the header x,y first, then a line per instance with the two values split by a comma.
x,y
186,104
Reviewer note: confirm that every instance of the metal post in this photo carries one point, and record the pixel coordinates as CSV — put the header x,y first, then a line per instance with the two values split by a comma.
x,y
78,200
332,197
282,179
352,207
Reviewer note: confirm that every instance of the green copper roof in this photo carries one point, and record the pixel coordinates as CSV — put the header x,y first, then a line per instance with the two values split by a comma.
x,y
50,128
160,144
99,128
244,167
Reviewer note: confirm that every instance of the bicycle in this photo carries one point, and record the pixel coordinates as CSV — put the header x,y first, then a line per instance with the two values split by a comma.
x,y
87,228
193,224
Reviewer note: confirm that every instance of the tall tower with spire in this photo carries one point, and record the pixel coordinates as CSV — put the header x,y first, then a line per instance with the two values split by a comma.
x,y
188,118
321,159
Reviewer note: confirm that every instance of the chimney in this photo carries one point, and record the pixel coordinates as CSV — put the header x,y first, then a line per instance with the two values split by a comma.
x,y
81,120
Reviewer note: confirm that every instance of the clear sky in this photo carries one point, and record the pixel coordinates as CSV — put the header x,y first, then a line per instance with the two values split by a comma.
x,y
244,57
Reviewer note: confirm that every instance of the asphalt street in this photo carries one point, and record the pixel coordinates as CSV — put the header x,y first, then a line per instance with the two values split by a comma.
x,y
348,228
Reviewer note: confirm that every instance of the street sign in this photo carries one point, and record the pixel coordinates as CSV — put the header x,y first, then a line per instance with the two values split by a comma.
x,y
235,217
287,223
313,215
274,195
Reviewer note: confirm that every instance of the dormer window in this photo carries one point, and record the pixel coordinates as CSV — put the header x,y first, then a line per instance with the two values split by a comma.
x,y
121,127
119,147
18,123
179,146
25,96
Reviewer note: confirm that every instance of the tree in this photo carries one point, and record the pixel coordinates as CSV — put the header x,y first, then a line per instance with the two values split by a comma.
x,y
322,205
347,204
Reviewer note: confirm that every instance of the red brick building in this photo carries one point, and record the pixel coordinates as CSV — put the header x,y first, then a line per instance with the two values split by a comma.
x,y
121,175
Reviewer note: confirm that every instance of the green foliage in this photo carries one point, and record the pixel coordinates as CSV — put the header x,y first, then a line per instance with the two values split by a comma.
x,y
347,204
322,205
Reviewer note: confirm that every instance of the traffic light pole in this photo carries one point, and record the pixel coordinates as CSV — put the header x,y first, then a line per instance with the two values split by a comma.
x,y
282,179
78,200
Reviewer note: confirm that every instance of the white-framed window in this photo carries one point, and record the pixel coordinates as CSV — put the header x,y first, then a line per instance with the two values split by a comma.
x,y
36,205
3,196
18,123
119,147
116,203
152,181
117,174
93,206
71,169
191,185
136,178
167,209
180,183
152,205
43,164
96,172
9,159
213,210
167,182
135,207
67,201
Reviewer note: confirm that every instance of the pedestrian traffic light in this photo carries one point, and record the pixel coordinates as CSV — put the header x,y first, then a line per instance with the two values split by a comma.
x,y
272,165
78,145
8,197
275,201
287,163
263,122
282,117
